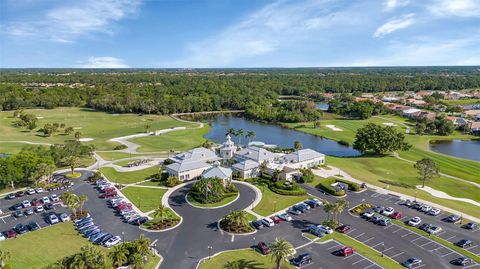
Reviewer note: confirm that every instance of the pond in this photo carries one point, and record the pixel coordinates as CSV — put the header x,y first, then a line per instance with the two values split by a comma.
x,y
322,106
467,149
276,135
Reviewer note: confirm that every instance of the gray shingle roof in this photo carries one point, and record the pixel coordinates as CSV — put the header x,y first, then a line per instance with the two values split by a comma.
x,y
187,166
256,154
303,155
196,154
217,171
245,165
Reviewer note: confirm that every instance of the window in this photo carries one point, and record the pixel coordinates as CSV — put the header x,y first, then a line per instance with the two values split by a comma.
x,y
182,177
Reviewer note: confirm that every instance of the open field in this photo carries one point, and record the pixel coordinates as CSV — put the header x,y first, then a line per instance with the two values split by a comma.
x,y
463,102
272,202
373,169
247,257
100,126
146,199
115,155
177,140
129,177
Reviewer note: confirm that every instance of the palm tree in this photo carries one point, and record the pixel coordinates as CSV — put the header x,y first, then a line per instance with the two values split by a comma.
x,y
250,135
276,174
119,255
4,256
160,212
78,135
231,131
328,208
297,145
147,127
82,199
137,261
280,250
239,133
142,245
231,265
340,205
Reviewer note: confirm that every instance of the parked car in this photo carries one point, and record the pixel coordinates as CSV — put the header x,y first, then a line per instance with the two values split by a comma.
x,y
31,191
368,214
39,190
257,224
54,198
292,210
316,231
462,261
434,229
378,208
105,239
417,205
33,226
396,215
18,214
77,221
376,218
52,218
407,202
464,243
112,241
263,248
2,237
471,226
411,262
20,193
48,206
45,200
425,226
325,229
17,206
11,233
20,228
300,208
313,202
39,208
302,260
64,217
139,221
388,211
415,221
277,220
384,222
344,228
285,217
434,212
36,202
345,251
29,211
268,222
454,218
426,208
10,196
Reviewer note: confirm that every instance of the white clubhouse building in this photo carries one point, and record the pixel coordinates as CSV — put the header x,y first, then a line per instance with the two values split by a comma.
x,y
249,162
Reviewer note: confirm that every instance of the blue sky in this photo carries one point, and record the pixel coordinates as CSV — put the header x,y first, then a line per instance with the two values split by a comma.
x,y
238,33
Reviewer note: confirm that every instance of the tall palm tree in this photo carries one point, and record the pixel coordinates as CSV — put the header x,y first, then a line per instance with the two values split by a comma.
x,y
142,245
297,145
82,199
71,201
328,208
239,133
340,205
231,131
276,174
160,212
231,265
250,135
78,135
119,255
137,261
280,250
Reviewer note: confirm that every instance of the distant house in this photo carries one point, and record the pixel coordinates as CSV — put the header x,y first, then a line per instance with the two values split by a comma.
x,y
475,127
416,102
457,121
472,113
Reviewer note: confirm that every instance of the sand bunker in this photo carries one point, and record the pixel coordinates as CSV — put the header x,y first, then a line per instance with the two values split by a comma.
x,y
333,128
85,139
39,118
77,128
389,124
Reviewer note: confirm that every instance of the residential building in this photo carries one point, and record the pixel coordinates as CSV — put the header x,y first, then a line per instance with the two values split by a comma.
x,y
247,169
191,164
216,171
257,154
304,158
475,127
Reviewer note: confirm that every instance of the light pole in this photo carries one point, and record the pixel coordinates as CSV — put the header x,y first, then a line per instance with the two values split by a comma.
x,y
209,252
123,236
254,241
383,248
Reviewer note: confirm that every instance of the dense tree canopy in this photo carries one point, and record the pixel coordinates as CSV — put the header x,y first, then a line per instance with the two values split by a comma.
x,y
377,139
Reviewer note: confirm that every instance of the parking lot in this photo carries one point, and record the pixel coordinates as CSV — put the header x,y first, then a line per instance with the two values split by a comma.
x,y
323,255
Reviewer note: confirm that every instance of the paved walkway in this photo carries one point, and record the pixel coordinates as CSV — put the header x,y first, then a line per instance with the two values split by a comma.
x,y
132,147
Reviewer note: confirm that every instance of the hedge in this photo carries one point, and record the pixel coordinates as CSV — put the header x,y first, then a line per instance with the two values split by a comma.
x,y
351,185
325,185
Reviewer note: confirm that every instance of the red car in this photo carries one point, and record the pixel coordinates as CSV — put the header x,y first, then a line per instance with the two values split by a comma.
x,y
396,215
11,233
277,220
344,228
36,202
263,248
345,251
108,194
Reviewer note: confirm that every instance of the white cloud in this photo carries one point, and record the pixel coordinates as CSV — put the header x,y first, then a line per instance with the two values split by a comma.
x,y
394,25
460,8
393,4
102,62
67,22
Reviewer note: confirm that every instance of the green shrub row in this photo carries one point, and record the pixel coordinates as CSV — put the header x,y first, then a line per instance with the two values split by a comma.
x,y
325,185
351,185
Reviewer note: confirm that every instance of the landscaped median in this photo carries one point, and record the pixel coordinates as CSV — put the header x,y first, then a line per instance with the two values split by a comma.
x,y
211,193
248,258
325,184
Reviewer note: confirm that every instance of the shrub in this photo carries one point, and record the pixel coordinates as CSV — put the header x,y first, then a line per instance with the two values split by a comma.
x,y
307,176
168,161
172,181
326,186
216,190
284,187
351,185
330,223
120,147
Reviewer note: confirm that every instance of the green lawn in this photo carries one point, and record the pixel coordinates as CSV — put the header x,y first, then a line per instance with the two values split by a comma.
x,y
112,155
129,177
363,249
247,257
373,169
177,140
272,202
222,202
146,199
154,183
463,102
28,250
92,124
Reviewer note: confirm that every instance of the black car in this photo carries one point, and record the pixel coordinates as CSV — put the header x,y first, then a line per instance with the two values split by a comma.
x,y
257,224
20,194
471,226
105,239
32,226
17,206
464,243
10,196
462,261
302,260
20,228
48,206
18,214
300,208
311,203
425,226
138,221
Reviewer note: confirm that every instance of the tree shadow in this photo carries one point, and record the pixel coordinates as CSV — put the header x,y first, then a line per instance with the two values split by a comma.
x,y
250,264
302,224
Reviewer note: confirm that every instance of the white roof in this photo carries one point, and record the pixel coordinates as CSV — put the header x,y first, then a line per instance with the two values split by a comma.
x,y
196,154
411,110
256,154
245,165
217,171
303,155
187,166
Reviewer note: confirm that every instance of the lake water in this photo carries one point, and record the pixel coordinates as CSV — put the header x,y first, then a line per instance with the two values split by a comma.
x,y
322,106
273,134
467,149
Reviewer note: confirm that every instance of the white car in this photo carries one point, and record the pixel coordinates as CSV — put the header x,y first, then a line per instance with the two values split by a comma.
x,y
54,197
112,241
39,190
53,219
434,230
64,217
39,208
31,191
26,204
46,200
285,217
434,212
368,214
415,221
2,237
268,222
388,211
325,229
426,208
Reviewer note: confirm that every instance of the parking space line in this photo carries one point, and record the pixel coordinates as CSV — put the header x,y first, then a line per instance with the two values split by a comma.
x,y
471,247
396,230
336,246
387,249
369,266
420,237
350,231
409,233
377,244
368,239
451,237
353,255
441,233
421,265
398,254
388,227
425,244
433,250
359,235
447,254
361,260
471,265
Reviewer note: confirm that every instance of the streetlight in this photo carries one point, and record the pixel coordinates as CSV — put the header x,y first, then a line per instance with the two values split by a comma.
x,y
123,236
254,241
209,252
383,248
